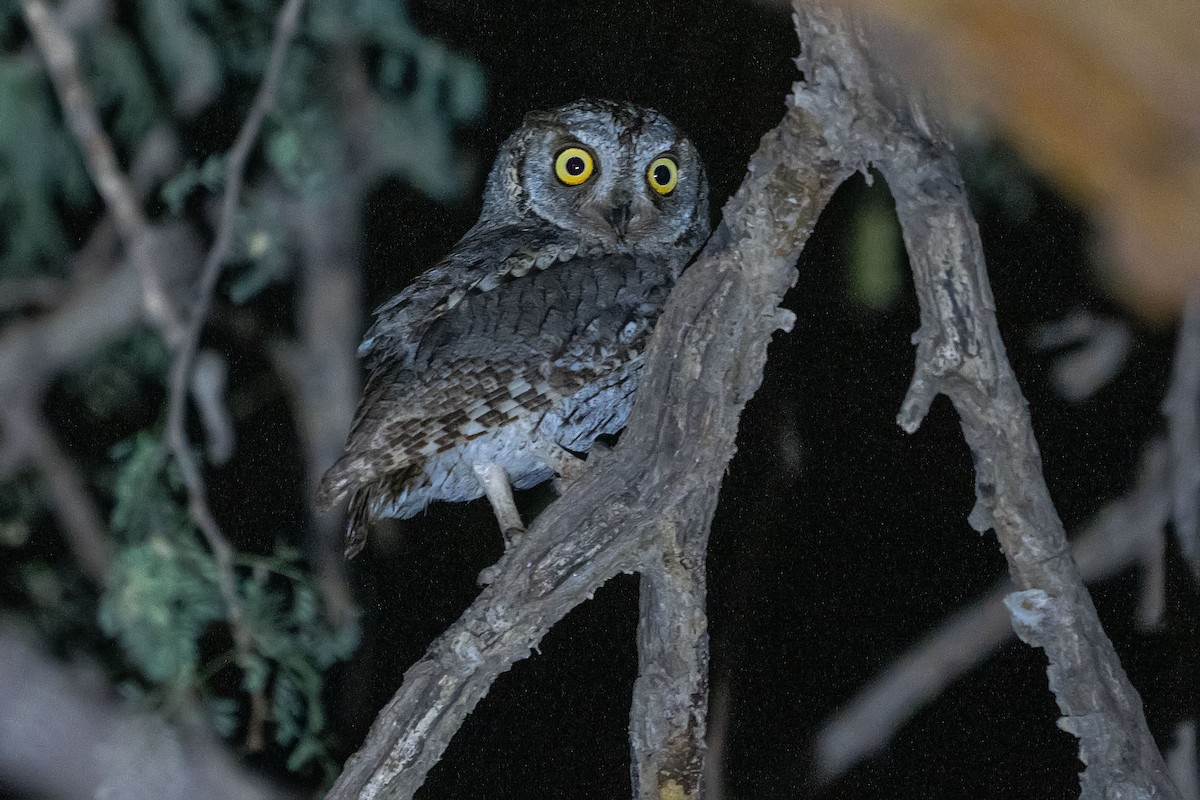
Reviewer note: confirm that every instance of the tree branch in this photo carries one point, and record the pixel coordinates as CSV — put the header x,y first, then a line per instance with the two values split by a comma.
x,y
39,292
658,485
175,433
114,186
64,734
321,370
960,354
119,195
73,506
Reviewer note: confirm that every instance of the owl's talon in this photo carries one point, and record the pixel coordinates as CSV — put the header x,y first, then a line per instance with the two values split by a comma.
x,y
488,575
511,535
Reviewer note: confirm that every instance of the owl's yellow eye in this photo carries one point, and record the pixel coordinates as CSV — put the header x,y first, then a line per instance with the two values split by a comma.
x,y
574,165
663,175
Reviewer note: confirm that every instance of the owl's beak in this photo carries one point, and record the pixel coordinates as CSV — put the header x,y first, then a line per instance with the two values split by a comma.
x,y
618,216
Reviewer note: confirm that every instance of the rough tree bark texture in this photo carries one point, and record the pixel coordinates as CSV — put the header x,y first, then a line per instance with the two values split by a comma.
x,y
647,505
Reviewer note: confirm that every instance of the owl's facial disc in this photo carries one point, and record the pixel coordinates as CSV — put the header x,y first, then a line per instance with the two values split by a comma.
x,y
614,174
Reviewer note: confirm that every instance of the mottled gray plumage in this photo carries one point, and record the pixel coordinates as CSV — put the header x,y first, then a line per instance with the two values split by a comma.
x,y
524,344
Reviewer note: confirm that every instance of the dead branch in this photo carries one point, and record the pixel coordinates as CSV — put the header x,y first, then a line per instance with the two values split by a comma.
x,y
1112,543
646,506
65,734
960,354
114,186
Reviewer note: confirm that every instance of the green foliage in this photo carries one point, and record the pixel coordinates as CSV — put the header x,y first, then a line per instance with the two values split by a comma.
x,y
293,647
40,167
262,241
162,63
163,599
425,92
144,499
20,502
121,86
163,596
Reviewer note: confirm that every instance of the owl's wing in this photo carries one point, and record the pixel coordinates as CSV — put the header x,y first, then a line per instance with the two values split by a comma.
x,y
497,354
484,258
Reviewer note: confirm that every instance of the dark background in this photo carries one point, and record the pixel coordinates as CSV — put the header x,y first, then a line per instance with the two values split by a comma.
x,y
828,559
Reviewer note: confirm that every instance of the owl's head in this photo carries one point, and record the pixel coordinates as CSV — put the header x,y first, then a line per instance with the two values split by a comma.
x,y
617,174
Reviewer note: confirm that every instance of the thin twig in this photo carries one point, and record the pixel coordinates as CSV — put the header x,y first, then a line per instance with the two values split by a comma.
x,y
119,195
175,433
114,186
77,513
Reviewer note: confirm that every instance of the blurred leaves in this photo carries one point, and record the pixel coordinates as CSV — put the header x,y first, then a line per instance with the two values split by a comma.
x,y
164,606
416,94
366,97
116,375
164,596
40,168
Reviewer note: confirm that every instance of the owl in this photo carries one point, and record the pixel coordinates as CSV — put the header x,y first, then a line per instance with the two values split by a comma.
x,y
501,365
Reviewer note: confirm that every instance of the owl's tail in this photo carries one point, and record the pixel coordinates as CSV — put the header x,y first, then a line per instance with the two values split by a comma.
x,y
358,522
339,481
336,483
354,476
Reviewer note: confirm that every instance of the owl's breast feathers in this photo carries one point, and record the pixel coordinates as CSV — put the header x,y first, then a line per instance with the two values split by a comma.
x,y
479,345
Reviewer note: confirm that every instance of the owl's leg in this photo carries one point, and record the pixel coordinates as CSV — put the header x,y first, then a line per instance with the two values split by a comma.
x,y
495,484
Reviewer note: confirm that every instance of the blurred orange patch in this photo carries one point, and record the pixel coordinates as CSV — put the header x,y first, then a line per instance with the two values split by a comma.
x,y
1102,96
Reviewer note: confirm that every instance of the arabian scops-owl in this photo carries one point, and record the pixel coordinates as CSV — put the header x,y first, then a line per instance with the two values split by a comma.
x,y
501,365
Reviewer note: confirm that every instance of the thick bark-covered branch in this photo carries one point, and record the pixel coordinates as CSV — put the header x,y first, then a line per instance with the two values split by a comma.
x,y
662,479
667,716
